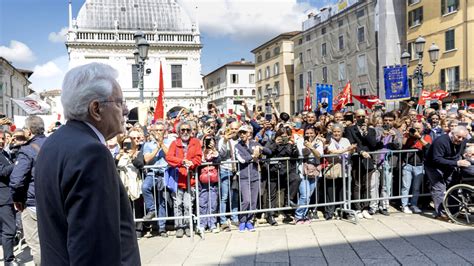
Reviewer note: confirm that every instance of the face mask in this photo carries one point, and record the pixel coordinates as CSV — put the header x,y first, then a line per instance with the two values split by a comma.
x,y
298,125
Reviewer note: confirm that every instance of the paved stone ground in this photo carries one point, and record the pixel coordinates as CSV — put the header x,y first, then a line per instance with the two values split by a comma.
x,y
394,240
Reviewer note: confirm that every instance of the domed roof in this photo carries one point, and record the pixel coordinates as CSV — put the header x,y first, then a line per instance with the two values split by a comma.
x,y
163,15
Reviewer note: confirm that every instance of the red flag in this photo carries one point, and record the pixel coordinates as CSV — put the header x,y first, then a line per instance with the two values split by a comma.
x,y
439,95
308,100
159,112
368,100
344,97
425,95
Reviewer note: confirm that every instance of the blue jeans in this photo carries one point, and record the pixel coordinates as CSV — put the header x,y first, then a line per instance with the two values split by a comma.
x,y
412,176
306,189
149,187
226,190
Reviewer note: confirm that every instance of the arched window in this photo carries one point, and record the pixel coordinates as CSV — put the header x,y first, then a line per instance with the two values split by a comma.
x,y
241,92
253,92
235,92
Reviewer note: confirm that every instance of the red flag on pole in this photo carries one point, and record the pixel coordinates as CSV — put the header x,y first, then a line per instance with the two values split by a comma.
x,y
159,112
439,95
344,97
308,100
368,100
425,95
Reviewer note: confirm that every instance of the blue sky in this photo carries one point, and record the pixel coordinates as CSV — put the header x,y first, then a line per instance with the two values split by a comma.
x,y
31,37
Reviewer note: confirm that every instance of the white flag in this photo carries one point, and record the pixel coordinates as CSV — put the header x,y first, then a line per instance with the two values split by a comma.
x,y
32,104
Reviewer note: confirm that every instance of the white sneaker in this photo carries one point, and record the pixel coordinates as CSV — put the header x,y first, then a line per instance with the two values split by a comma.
x,y
359,215
366,215
406,210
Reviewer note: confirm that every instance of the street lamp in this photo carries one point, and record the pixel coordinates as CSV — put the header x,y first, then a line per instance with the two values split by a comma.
x,y
418,74
140,54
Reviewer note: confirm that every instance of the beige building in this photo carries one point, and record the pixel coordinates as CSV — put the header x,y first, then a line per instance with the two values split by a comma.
x,y
14,84
450,25
274,72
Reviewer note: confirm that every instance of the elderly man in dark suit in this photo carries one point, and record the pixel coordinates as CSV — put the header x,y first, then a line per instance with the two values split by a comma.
x,y
362,163
7,212
84,215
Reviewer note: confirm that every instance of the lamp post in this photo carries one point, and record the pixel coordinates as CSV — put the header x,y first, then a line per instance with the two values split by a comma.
x,y
268,103
418,74
140,54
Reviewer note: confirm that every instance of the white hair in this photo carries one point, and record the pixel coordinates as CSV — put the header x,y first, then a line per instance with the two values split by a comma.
x,y
469,149
460,130
84,84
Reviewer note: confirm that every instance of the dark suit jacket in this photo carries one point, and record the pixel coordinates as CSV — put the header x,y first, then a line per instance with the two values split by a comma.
x,y
364,143
84,214
6,168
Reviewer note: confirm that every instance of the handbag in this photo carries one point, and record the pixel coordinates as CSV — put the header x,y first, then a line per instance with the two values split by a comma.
x,y
333,171
208,175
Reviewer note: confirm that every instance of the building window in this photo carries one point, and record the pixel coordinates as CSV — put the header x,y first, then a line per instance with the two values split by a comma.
x,y
267,55
235,93
415,17
276,50
361,34
234,78
301,58
340,23
342,71
276,69
323,49
360,13
259,93
308,55
412,2
253,92
241,92
276,87
361,64
251,78
323,30
299,105
325,74
267,72
310,78
341,42
259,75
176,76
363,90
308,37
259,59
449,6
301,81
411,50
450,78
449,40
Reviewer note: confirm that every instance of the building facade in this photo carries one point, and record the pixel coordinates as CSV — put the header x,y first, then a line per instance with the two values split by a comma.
x,y
104,31
450,25
14,84
274,72
232,81
350,41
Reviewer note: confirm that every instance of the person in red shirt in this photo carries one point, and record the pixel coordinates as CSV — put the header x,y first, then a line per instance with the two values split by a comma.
x,y
185,153
412,174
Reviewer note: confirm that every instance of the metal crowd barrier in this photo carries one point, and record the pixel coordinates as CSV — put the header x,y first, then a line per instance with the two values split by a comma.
x,y
278,175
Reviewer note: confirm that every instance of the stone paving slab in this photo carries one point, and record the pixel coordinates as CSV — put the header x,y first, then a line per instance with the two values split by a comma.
x,y
399,239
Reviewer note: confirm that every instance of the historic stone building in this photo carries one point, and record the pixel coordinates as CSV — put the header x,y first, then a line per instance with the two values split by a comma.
x,y
14,83
103,32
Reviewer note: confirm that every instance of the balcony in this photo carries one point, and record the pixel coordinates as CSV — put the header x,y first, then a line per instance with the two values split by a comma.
x,y
458,86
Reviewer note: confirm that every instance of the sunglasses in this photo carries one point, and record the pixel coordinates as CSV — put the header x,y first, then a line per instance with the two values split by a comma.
x,y
185,130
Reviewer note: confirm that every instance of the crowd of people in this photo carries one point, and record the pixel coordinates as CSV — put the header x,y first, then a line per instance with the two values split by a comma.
x,y
282,163
230,168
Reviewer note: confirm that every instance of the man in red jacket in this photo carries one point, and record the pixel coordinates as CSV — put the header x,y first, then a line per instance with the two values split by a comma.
x,y
185,153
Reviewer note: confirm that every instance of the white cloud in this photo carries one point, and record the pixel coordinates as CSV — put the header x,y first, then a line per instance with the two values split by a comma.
x,y
58,36
248,19
50,75
17,52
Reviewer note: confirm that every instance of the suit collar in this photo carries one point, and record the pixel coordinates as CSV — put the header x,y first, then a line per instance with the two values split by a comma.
x,y
83,126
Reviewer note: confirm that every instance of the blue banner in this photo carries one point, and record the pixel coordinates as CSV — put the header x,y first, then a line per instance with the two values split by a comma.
x,y
324,95
396,83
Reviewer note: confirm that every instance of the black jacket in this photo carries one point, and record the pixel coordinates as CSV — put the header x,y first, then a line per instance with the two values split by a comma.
x,y
6,168
84,214
364,143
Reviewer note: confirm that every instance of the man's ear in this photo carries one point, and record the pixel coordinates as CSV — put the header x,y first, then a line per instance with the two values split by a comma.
x,y
94,111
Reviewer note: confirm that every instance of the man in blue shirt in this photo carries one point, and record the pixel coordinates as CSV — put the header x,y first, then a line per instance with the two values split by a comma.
x,y
154,153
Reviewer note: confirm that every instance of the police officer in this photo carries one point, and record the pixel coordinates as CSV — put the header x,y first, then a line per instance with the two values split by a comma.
x,y
7,212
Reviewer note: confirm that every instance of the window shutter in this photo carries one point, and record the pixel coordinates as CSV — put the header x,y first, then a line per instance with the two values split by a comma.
x,y
443,79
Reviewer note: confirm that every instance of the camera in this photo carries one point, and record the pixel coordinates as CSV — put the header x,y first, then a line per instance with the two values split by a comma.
x,y
268,117
127,145
412,131
386,127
